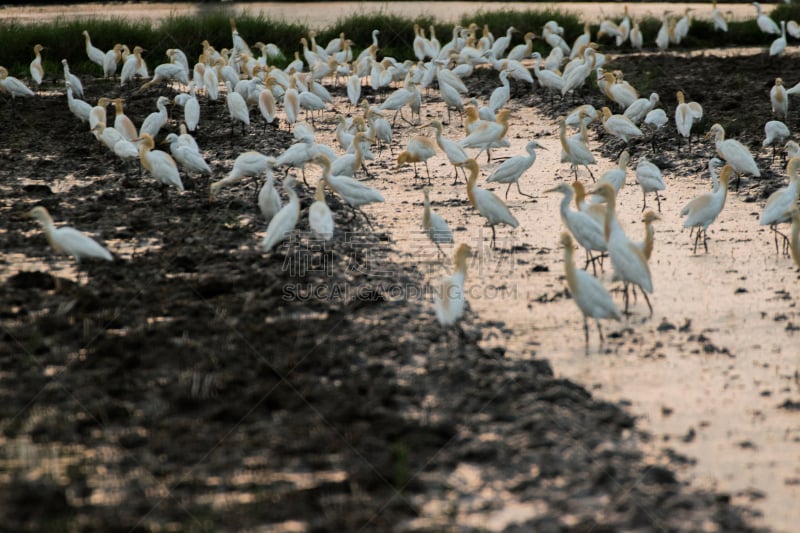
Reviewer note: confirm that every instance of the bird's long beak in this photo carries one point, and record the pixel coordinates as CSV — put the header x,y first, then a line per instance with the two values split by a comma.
x,y
554,189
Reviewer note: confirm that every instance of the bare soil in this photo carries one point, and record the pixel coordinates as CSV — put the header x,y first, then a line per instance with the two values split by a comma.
x,y
179,388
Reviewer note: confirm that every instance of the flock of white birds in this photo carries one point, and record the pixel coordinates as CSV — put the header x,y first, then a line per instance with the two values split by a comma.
x,y
251,86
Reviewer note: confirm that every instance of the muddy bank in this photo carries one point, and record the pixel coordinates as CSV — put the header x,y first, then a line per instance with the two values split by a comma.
x,y
193,384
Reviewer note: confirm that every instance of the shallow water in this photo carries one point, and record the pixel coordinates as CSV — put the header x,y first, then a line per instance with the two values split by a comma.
x,y
321,14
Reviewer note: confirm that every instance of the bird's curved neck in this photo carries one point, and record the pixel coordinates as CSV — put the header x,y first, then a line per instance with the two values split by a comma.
x,y
649,239
611,217
473,177
569,269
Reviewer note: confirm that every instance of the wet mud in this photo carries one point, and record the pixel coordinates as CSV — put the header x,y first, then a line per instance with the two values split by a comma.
x,y
197,383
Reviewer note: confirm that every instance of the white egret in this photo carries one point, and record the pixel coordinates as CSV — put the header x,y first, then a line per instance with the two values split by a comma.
x,y
167,72
522,51
349,163
583,226
488,205
619,91
765,23
704,209
191,109
95,55
500,95
133,66
588,292
160,164
454,152
433,224
791,149
686,114
585,113
641,107
775,133
779,98
14,86
284,222
617,175
355,193
779,45
448,300
782,200
269,201
74,80
620,126
649,177
734,153
320,218
574,150
636,37
189,158
716,17
418,150
153,122
123,123
36,69
628,261
68,240
116,142
79,108
237,109
247,164
487,134
111,60
513,168
655,119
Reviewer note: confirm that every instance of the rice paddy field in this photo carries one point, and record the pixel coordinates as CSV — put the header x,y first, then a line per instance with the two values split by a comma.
x,y
197,382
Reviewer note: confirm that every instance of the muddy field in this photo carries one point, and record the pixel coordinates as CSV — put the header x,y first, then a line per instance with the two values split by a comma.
x,y
184,387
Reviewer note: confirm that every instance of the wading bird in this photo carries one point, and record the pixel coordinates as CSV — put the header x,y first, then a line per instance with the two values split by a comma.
x,y
583,226
248,164
320,218
649,177
455,154
686,114
159,164
67,240
704,209
285,220
488,205
269,201
775,133
781,201
352,191
628,261
734,153
37,71
448,300
512,169
574,150
434,225
588,292
418,150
